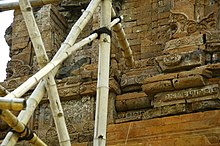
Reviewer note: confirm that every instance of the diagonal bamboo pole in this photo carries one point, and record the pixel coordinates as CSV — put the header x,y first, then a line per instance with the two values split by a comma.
x,y
50,83
11,138
22,89
121,37
19,127
62,53
103,78
15,5
24,116
38,93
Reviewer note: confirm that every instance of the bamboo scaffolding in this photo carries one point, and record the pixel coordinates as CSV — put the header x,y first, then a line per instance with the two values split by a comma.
x,y
34,3
50,83
19,127
23,88
62,53
10,103
24,116
121,37
22,119
103,77
38,93
15,104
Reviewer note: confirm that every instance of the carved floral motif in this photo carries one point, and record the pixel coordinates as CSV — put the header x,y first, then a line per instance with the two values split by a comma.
x,y
188,27
17,68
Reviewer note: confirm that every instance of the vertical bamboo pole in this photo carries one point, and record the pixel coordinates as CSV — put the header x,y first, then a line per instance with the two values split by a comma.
x,y
50,83
70,40
103,78
64,52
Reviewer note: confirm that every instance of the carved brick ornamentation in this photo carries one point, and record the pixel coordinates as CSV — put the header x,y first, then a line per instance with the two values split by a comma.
x,y
17,68
183,61
186,96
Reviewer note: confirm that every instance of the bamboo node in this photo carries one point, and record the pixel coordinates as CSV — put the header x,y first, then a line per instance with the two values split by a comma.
x,y
60,114
27,132
28,8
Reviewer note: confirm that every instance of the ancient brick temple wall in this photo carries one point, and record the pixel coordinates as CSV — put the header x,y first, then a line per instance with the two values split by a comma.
x,y
169,98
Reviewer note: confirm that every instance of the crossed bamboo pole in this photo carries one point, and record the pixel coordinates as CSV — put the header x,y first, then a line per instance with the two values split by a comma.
x,y
38,93
49,81
62,54
18,125
79,27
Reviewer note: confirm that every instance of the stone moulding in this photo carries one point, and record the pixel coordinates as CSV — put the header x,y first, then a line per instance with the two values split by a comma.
x,y
84,88
176,81
187,41
132,101
133,79
187,95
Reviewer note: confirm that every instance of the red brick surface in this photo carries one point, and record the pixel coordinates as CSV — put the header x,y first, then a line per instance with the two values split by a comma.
x,y
196,129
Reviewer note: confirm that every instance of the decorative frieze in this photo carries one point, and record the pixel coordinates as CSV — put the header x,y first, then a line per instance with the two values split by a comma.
x,y
176,81
133,79
186,96
192,40
129,116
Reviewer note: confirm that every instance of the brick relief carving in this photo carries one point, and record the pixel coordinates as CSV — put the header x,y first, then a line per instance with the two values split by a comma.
x,y
176,49
17,68
79,117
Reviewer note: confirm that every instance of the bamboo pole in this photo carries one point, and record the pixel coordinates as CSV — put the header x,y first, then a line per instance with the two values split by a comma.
x,y
121,37
34,3
23,88
24,116
55,63
50,83
19,127
15,104
103,78
38,93
62,52
10,103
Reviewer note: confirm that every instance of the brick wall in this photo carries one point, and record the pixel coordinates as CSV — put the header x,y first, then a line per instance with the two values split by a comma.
x,y
197,129
169,97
